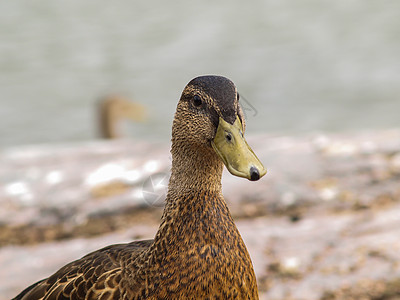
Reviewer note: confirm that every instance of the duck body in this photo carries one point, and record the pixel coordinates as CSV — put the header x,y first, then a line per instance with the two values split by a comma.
x,y
206,249
203,246
198,252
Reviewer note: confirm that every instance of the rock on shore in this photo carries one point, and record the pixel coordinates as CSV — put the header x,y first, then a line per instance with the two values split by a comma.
x,y
323,224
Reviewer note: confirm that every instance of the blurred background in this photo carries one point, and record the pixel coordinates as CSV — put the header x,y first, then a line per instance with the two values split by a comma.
x,y
319,83
304,65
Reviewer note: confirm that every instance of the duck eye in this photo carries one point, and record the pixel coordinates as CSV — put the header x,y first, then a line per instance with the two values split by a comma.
x,y
197,101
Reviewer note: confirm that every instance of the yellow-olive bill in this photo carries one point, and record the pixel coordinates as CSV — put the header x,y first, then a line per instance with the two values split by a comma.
x,y
239,159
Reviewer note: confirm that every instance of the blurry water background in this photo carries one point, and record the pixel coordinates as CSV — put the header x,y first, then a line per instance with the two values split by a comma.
x,y
305,66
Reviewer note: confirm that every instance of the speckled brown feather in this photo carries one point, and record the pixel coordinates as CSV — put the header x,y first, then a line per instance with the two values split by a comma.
x,y
75,280
198,252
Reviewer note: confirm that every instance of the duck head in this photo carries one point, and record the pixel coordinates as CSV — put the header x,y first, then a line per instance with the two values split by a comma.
x,y
209,118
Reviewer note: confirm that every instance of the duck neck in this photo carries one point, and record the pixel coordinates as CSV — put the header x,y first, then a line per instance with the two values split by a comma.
x,y
194,195
195,169
196,220
108,120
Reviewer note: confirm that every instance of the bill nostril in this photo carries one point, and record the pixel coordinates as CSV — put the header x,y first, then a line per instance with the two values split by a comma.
x,y
254,174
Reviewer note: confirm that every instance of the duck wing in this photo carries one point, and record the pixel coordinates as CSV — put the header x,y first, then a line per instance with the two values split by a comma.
x,y
96,274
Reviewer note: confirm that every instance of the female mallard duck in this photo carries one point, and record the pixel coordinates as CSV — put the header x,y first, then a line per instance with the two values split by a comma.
x,y
197,252
112,109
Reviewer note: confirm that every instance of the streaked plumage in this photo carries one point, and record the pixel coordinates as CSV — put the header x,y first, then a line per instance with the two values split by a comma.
x,y
197,252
